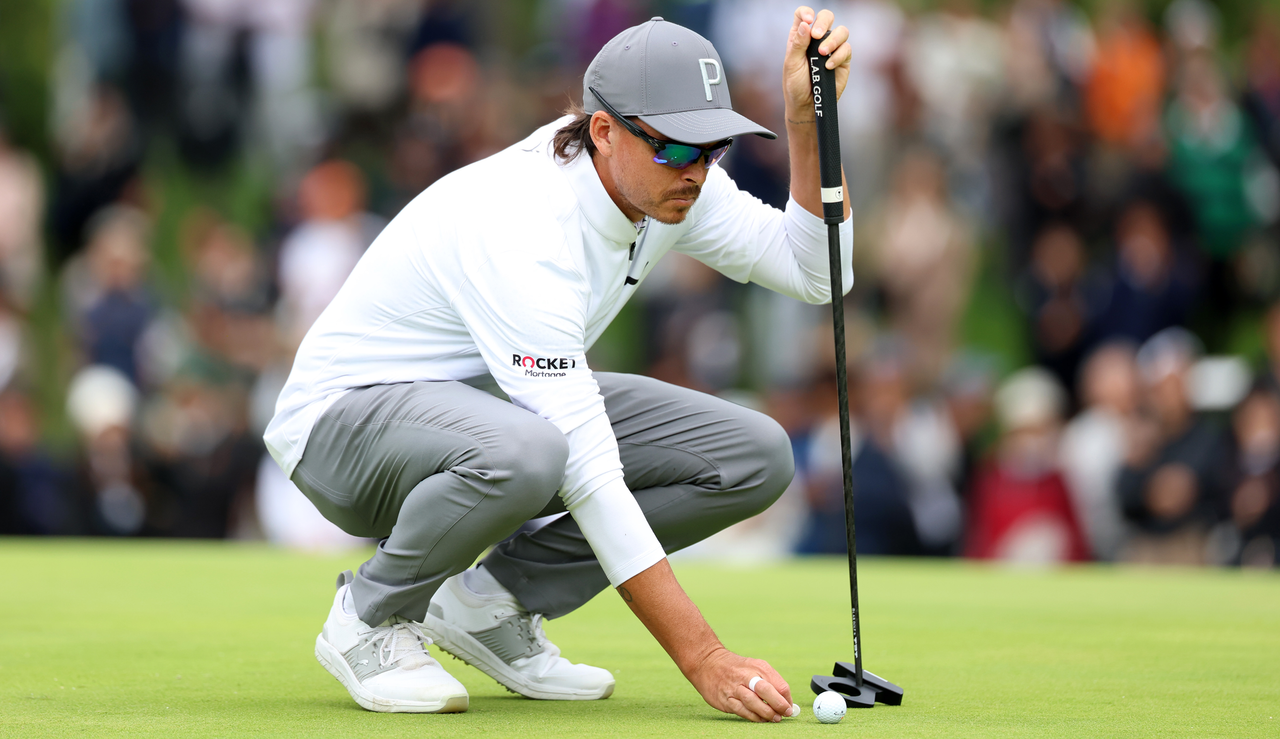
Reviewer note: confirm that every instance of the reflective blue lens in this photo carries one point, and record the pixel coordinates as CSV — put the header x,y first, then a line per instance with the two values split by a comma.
x,y
680,156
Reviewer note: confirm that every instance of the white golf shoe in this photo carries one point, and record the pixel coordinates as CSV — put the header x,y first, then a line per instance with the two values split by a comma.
x,y
496,635
385,668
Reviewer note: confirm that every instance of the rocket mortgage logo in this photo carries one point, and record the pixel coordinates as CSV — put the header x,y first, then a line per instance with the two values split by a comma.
x,y
543,366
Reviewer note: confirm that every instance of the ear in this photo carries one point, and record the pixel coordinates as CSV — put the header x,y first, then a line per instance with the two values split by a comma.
x,y
602,130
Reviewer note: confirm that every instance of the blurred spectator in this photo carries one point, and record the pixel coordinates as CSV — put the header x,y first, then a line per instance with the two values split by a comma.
x,y
1214,159
1150,290
367,45
12,355
232,47
32,486
868,107
132,44
1051,50
444,21
760,166
1123,94
1094,445
107,290
922,255
881,492
230,313
1271,337
1045,180
915,431
954,59
1168,487
112,489
11,514
449,123
1252,489
1020,510
321,251
201,454
967,390
581,27
222,262
21,213
1262,81
1062,300
155,31
97,42
1191,26
692,334
214,95
99,152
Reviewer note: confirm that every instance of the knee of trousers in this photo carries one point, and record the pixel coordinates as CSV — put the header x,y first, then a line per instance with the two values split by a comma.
x,y
530,459
770,463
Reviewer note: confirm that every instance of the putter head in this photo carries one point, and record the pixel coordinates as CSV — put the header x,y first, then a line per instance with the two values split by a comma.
x,y
886,692
854,697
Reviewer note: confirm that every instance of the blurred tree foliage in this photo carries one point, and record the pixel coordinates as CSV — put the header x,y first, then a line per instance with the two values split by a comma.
x,y
26,61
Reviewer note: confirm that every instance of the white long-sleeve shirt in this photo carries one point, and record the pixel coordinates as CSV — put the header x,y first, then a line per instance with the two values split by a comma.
x,y
513,266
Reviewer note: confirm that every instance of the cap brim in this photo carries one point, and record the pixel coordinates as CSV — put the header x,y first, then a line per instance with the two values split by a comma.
x,y
705,126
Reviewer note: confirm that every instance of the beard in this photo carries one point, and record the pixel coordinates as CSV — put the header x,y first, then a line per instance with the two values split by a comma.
x,y
660,208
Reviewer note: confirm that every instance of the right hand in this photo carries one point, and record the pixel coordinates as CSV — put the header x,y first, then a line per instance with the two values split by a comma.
x,y
797,85
722,678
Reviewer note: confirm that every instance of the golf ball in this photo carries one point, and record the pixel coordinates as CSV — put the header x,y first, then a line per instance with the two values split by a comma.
x,y
829,707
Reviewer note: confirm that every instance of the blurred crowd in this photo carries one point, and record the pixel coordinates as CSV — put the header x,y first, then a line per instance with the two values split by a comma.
x,y
1101,187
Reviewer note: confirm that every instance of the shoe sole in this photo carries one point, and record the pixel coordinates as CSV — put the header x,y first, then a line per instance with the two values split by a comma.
x,y
465,647
332,660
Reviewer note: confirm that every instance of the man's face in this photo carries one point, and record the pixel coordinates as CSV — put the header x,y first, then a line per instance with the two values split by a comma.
x,y
646,187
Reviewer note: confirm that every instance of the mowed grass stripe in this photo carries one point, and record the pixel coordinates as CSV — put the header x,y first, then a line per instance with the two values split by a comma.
x,y
151,638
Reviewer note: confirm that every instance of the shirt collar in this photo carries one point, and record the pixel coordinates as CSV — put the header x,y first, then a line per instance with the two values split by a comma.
x,y
600,210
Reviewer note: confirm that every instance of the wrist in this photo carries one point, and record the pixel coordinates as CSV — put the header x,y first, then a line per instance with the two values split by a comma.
x,y
801,122
801,114
697,659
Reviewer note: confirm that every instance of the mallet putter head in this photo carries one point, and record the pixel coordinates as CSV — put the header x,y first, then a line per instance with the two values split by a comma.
x,y
886,692
854,697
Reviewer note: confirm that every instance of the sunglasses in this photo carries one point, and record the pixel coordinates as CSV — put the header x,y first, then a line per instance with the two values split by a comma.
x,y
668,153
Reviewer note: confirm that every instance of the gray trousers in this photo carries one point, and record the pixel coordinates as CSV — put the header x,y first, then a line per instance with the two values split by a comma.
x,y
440,471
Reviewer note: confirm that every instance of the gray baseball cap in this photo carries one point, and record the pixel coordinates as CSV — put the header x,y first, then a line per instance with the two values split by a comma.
x,y
672,79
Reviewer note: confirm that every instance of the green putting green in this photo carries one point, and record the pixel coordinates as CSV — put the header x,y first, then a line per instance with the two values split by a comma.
x,y
158,638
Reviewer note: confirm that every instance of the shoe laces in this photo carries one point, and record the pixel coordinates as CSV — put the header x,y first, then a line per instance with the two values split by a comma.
x,y
402,641
546,656
535,626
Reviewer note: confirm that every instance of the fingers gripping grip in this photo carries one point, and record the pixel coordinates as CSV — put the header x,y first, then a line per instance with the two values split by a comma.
x,y
824,109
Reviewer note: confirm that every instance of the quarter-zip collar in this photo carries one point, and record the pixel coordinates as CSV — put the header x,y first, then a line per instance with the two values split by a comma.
x,y
600,210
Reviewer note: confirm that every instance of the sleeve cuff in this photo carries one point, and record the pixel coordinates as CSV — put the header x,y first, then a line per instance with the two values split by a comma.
x,y
808,222
617,531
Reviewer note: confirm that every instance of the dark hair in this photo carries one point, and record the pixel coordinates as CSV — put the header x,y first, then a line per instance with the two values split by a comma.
x,y
575,136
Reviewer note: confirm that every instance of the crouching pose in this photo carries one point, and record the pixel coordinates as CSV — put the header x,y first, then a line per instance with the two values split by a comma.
x,y
443,398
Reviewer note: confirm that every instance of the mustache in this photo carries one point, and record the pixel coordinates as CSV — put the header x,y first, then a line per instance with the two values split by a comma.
x,y
688,192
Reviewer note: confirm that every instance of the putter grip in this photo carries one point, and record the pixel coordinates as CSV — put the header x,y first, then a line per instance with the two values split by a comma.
x,y
824,109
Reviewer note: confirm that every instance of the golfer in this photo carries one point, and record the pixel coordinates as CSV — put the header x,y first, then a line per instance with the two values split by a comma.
x,y
443,398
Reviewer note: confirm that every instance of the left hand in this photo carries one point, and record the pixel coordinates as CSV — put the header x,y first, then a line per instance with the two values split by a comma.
x,y
797,84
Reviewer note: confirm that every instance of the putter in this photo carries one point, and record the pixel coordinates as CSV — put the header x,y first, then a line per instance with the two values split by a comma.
x,y
861,689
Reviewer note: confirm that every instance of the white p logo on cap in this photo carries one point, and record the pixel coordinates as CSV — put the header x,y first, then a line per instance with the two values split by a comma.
x,y
707,82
